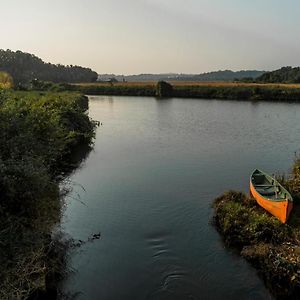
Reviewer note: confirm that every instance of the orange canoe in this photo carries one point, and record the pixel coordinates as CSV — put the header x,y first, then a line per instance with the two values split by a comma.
x,y
271,195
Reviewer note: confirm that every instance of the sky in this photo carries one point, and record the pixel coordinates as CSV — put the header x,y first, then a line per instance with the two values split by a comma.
x,y
155,36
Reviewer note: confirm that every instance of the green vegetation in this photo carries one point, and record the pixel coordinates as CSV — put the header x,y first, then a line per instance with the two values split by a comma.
x,y
38,131
283,75
116,89
40,85
6,81
243,223
272,247
239,92
24,67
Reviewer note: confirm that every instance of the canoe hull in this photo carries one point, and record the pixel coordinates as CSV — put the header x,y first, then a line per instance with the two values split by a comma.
x,y
279,209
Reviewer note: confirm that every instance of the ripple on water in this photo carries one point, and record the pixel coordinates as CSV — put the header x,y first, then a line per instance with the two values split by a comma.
x,y
173,281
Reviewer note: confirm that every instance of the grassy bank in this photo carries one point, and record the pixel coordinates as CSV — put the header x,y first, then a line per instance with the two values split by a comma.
x,y
270,246
38,132
206,90
116,89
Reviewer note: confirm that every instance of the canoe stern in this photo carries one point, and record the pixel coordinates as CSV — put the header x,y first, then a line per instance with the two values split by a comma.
x,y
279,209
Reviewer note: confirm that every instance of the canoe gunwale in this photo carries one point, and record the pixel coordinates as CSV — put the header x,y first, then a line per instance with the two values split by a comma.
x,y
255,186
279,208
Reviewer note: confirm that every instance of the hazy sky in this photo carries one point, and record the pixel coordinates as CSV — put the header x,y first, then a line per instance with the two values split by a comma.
x,y
155,36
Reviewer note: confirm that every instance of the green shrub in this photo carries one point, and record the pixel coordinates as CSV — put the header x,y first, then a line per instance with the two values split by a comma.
x,y
6,81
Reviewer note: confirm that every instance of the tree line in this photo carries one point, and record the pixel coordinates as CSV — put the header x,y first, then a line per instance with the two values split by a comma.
x,y
283,75
24,67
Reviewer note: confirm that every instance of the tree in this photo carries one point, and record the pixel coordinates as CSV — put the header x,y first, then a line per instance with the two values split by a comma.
x,y
283,75
164,89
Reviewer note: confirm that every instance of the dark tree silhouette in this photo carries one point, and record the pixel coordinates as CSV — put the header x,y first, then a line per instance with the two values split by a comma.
x,y
283,75
24,67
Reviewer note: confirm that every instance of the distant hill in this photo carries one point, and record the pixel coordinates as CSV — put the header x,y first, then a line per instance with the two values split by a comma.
x,y
226,75
140,77
283,75
24,67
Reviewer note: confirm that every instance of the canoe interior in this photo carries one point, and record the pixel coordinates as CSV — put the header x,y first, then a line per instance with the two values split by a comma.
x,y
268,187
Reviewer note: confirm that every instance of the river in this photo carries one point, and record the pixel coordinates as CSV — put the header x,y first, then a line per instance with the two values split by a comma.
x,y
148,186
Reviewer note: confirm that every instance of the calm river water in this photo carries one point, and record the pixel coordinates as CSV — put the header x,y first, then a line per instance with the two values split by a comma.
x,y
148,187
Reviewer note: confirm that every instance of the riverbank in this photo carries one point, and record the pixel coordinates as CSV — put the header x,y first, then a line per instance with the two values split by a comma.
x,y
39,131
271,247
205,90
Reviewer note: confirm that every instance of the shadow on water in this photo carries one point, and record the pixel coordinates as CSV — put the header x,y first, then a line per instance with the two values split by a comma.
x,y
60,245
74,160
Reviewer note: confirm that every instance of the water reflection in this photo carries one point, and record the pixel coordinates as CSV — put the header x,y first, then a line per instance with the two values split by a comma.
x,y
148,187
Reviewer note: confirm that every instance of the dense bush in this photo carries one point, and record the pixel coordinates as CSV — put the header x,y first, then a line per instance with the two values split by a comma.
x,y
6,80
38,130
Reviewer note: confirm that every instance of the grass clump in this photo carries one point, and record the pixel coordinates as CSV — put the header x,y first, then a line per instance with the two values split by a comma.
x,y
242,222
